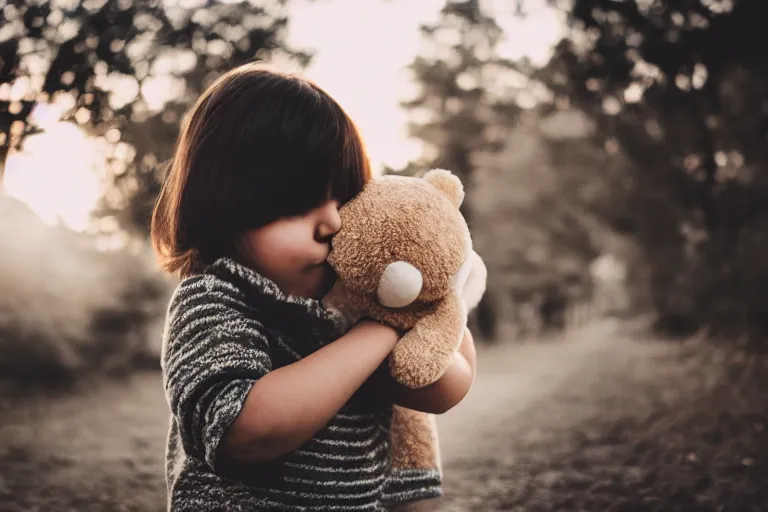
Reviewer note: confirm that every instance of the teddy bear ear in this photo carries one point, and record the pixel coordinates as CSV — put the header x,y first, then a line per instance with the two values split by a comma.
x,y
448,182
400,285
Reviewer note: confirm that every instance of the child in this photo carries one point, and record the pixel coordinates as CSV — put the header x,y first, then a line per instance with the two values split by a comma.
x,y
272,407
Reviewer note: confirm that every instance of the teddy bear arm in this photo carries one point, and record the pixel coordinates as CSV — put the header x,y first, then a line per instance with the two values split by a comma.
x,y
424,353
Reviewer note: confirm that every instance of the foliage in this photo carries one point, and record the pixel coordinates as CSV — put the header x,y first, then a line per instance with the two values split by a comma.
x,y
66,309
531,212
127,70
679,88
455,109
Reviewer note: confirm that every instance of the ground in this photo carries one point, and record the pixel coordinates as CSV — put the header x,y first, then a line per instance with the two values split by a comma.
x,y
602,420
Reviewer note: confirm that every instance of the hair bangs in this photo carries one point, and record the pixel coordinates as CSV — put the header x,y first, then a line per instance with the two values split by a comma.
x,y
321,155
352,169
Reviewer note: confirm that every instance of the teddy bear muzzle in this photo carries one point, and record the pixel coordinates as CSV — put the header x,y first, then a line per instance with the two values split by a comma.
x,y
400,285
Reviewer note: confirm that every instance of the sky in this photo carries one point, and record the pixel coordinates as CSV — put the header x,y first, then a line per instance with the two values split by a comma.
x,y
362,48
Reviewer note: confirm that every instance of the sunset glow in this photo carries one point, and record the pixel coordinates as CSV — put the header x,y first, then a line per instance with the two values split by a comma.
x,y
57,175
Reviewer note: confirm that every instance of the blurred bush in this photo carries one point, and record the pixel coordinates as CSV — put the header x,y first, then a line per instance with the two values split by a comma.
x,y
67,309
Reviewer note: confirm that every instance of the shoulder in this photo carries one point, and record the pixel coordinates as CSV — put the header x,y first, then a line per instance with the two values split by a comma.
x,y
206,303
213,286
207,311
201,289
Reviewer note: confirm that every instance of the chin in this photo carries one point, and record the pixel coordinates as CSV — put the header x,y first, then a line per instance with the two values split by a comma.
x,y
326,282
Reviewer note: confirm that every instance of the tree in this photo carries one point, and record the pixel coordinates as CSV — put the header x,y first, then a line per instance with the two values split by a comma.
x,y
540,201
456,108
129,70
680,87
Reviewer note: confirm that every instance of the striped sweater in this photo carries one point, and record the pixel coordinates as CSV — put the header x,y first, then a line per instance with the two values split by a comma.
x,y
226,328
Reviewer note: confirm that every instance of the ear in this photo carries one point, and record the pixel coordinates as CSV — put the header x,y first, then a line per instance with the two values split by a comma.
x,y
400,285
447,182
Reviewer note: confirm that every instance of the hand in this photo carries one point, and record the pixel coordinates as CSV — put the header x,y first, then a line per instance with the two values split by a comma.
x,y
379,330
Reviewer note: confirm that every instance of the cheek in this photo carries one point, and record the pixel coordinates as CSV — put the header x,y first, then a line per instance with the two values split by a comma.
x,y
279,247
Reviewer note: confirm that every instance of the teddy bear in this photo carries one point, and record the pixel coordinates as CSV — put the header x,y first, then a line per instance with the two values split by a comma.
x,y
404,256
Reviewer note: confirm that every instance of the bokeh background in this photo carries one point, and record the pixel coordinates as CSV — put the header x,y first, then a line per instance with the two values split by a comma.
x,y
614,155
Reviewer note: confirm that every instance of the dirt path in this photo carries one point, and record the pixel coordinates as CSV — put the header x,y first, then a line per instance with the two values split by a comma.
x,y
542,424
610,422
100,450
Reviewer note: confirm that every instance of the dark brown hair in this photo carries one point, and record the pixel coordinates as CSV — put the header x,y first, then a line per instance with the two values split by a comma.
x,y
258,145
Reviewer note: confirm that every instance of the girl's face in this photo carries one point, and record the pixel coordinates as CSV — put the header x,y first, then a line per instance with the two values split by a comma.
x,y
292,251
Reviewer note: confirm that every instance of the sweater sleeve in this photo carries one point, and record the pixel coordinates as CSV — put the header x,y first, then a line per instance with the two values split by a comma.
x,y
410,485
212,355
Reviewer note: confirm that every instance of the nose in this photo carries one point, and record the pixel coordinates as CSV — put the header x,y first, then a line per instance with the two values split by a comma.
x,y
331,221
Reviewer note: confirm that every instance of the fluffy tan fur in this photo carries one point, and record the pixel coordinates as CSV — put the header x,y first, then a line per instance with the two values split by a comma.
x,y
417,221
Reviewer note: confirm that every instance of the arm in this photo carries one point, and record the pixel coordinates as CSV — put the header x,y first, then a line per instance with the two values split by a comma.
x,y
221,388
449,390
288,405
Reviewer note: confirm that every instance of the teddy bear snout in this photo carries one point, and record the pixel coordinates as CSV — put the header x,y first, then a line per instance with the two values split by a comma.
x,y
400,285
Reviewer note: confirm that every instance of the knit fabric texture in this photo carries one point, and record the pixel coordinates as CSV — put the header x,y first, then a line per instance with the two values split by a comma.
x,y
226,328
